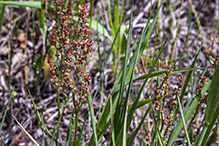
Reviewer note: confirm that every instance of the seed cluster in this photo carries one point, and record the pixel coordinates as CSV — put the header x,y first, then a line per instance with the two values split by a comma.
x,y
71,44
215,62
169,121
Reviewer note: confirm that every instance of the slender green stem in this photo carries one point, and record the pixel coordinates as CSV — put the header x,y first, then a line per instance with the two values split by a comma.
x,y
177,29
183,120
91,14
191,121
9,71
3,119
58,95
77,113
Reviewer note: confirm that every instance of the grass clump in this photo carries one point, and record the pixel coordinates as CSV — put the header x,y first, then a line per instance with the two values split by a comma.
x,y
171,96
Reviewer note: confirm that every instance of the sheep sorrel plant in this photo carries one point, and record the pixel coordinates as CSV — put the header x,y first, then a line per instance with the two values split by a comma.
x,y
71,46
151,84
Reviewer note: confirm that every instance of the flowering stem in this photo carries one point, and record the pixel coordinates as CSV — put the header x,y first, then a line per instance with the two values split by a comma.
x,y
58,95
76,124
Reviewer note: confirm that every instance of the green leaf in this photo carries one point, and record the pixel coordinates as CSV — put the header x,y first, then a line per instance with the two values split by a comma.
x,y
91,109
2,16
210,127
102,122
151,61
80,138
42,22
6,110
156,74
132,137
40,120
101,28
68,139
32,4
38,59
131,113
94,25
213,98
121,115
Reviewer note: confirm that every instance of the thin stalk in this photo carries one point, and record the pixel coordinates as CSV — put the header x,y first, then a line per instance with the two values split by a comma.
x,y
188,34
191,121
57,129
199,25
34,63
174,44
77,113
171,13
91,14
25,58
58,95
113,141
2,8
6,110
58,105
100,63
183,120
9,76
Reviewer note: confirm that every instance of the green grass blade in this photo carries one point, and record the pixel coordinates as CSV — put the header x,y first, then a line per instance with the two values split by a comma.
x,y
161,73
40,120
132,137
2,16
95,24
105,114
143,44
177,129
63,105
31,4
191,136
160,138
42,22
131,113
91,109
124,131
112,122
68,139
183,121
146,101
100,133
91,15
81,132
210,127
101,28
66,3
121,117
213,98
6,110
110,18
155,74
156,133
198,141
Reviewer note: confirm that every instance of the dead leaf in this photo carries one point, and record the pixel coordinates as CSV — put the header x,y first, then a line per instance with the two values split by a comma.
x,y
22,37
17,58
46,69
